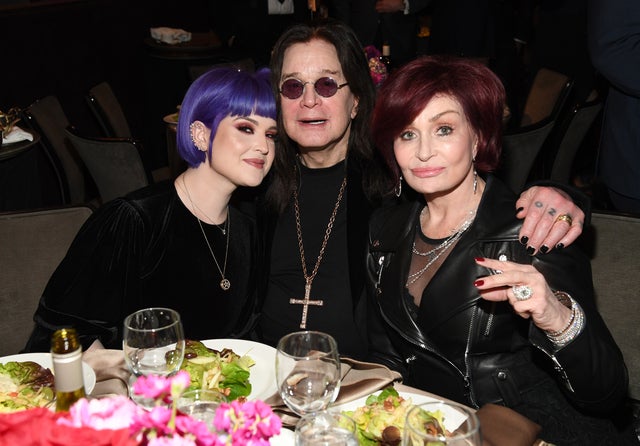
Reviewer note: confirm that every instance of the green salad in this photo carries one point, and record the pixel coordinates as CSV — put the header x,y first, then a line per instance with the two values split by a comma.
x,y
381,420
224,371
24,385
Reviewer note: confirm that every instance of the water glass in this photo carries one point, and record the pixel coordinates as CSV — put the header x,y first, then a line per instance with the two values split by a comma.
x,y
201,404
462,427
326,429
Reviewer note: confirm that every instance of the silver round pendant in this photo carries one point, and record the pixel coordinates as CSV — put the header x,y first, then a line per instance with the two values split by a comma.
x,y
225,284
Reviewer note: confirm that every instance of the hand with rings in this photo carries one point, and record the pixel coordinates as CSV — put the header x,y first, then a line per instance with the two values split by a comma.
x,y
526,290
551,219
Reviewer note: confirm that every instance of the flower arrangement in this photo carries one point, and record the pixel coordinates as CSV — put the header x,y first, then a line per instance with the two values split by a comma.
x,y
377,69
118,421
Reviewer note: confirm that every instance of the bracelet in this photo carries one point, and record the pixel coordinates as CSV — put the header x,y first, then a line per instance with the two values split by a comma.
x,y
575,325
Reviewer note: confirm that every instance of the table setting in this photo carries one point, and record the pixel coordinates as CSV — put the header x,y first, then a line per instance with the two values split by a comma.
x,y
300,393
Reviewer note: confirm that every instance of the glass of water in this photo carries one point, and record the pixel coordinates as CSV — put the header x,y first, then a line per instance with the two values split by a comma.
x,y
153,343
326,429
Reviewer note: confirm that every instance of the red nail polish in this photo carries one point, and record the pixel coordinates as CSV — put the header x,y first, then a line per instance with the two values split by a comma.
x,y
479,259
479,282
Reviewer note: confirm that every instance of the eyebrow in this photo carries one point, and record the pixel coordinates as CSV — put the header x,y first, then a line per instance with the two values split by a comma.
x,y
246,118
323,72
439,115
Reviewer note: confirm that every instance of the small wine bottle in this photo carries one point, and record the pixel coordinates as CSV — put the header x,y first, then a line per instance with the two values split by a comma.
x,y
386,56
66,356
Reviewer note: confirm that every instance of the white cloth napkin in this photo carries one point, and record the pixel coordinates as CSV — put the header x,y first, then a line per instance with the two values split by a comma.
x,y
16,135
170,35
111,371
277,7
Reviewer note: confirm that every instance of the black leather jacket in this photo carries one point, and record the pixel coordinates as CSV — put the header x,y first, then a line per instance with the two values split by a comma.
x,y
475,351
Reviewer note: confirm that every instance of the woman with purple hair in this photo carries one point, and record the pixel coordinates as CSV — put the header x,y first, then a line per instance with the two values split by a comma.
x,y
176,244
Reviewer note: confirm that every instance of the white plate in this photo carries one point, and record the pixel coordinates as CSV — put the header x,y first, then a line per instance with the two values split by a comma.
x,y
286,437
262,375
44,359
453,418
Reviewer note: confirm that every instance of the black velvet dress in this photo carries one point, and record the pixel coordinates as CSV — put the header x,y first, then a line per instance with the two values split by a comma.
x,y
144,250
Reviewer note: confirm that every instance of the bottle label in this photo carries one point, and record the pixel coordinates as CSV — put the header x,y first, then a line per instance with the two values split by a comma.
x,y
67,371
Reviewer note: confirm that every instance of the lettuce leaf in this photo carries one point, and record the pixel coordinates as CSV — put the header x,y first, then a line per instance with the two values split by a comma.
x,y
24,385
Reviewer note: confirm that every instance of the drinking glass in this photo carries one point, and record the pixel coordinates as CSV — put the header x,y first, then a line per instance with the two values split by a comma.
x,y
153,343
308,371
462,427
326,429
201,404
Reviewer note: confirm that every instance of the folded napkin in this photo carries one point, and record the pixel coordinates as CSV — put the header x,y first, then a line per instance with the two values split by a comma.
x,y
358,379
111,371
170,35
502,426
16,135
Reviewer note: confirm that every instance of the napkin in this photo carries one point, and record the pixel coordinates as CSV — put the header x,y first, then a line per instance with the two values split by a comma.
x,y
111,371
359,379
16,135
170,35
500,425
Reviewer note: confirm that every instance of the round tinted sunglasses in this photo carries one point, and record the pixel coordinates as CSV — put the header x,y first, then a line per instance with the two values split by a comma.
x,y
325,87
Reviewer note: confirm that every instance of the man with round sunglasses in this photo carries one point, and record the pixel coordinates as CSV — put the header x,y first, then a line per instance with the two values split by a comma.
x,y
326,182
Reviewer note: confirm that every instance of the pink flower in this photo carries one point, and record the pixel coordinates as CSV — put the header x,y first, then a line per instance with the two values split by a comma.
x,y
106,413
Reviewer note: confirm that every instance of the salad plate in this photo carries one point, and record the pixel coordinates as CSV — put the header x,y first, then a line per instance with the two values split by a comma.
x,y
44,359
262,374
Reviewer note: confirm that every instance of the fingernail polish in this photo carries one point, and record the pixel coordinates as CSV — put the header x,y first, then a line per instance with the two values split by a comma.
x,y
531,250
544,249
560,246
520,209
479,259
524,239
478,282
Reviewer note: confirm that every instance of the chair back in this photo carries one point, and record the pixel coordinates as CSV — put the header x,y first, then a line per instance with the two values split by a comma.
x,y
33,244
613,240
48,118
115,164
108,112
547,96
519,152
579,122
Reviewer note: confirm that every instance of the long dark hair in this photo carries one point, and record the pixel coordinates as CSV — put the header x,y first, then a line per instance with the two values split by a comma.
x,y
356,71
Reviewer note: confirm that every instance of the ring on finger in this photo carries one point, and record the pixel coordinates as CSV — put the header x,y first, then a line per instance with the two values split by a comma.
x,y
566,218
522,292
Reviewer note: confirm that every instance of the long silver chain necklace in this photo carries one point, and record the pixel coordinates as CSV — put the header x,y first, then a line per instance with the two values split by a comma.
x,y
308,278
194,206
436,252
225,284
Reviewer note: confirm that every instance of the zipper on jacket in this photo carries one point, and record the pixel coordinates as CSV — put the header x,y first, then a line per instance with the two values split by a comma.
x,y
467,377
487,330
557,367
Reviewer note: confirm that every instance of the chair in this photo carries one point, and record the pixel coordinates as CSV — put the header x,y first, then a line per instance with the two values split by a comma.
x,y
519,152
579,122
47,117
33,244
115,164
547,95
108,112
613,241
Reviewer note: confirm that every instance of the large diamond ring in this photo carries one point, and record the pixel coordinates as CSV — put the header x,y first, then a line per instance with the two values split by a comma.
x,y
522,292
565,217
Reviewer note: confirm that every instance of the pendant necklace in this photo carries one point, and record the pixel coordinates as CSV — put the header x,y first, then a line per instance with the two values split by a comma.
x,y
225,284
308,278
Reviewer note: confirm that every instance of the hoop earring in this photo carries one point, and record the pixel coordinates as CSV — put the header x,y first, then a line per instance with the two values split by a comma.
x,y
398,189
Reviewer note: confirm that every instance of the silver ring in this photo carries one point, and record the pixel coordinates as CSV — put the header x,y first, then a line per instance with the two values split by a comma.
x,y
522,292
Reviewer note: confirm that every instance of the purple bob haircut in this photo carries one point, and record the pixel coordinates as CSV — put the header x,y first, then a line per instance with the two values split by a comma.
x,y
219,93
407,92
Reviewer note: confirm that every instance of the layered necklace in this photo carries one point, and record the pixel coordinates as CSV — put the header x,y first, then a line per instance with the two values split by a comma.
x,y
308,278
436,252
225,284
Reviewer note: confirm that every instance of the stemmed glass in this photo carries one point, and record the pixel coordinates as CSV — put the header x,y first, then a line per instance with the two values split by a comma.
x,y
153,343
308,371
460,422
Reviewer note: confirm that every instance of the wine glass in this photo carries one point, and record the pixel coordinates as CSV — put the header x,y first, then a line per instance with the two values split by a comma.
x,y
307,371
461,425
153,343
326,429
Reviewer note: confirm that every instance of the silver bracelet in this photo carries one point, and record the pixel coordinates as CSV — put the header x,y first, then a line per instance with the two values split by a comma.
x,y
574,327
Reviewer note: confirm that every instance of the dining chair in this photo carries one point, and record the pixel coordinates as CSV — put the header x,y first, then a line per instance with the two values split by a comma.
x,y
520,150
546,97
47,117
613,241
107,110
572,135
33,244
115,164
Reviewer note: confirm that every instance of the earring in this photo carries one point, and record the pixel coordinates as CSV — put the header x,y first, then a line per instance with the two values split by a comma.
x,y
398,189
475,181
191,129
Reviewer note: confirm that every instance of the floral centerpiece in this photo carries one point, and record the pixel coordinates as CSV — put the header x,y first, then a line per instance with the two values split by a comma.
x,y
377,69
118,421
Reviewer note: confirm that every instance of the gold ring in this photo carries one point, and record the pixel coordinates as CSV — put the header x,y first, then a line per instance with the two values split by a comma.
x,y
565,217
